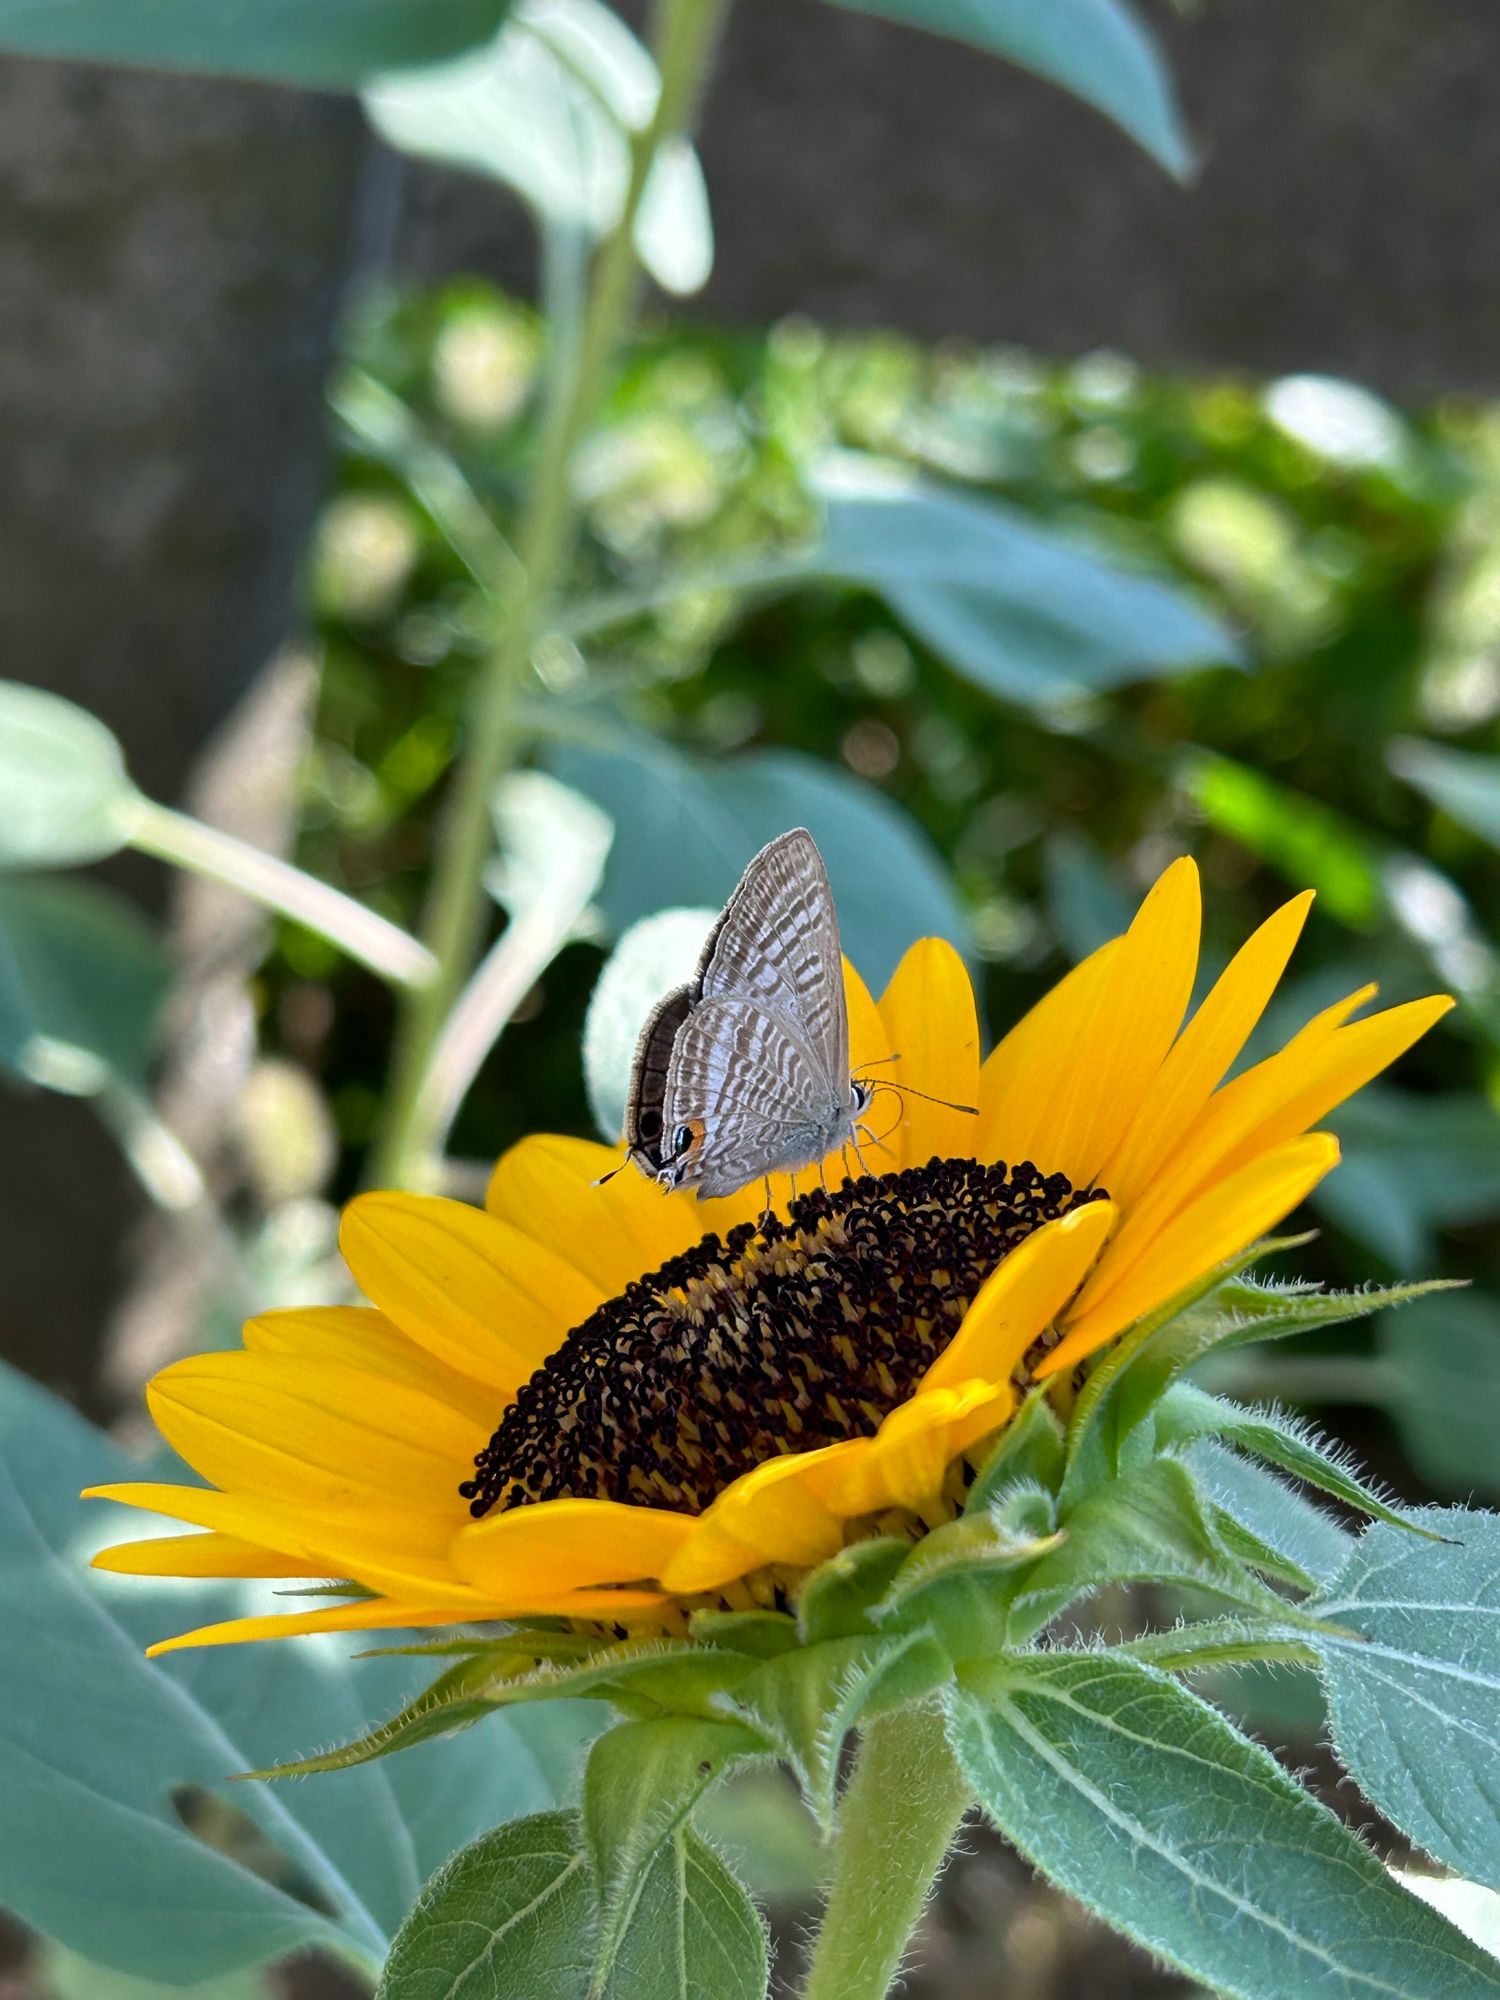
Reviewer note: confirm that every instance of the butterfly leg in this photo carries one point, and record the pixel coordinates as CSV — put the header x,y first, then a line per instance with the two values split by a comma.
x,y
765,1214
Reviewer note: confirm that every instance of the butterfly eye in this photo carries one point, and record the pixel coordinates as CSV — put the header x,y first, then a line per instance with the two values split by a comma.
x,y
682,1138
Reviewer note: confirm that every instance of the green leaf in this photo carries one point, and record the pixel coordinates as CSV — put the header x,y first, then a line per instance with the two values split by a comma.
x,y
644,1677
1464,783
807,1702
333,45
96,1742
1187,1412
1030,1449
693,1934
651,957
1018,1525
1438,1376
548,108
1113,1424
1029,613
695,822
82,980
1142,1801
62,774
642,1782
1414,1701
762,1634
510,1918
1265,1521
1147,1528
837,1598
1097,49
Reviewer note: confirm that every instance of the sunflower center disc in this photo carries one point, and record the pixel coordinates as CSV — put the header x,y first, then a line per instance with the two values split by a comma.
x,y
783,1337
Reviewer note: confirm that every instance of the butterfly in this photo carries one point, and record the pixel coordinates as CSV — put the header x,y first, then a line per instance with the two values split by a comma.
x,y
743,1072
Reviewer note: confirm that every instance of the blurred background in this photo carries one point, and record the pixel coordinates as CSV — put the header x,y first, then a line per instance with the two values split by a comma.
x,y
268,389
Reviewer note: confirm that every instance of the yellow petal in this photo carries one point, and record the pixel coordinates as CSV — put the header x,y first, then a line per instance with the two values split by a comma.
x,y
358,1337
615,1233
405,1554
929,1018
271,1424
1265,1106
1023,1072
557,1545
1021,1296
382,1615
206,1554
768,1515
1096,1061
905,1463
1203,1053
1222,1222
474,1290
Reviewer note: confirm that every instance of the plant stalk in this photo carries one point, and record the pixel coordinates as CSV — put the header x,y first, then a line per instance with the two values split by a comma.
x,y
275,884
452,929
897,1819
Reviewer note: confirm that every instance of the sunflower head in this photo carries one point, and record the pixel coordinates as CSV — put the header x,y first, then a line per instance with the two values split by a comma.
x,y
605,1411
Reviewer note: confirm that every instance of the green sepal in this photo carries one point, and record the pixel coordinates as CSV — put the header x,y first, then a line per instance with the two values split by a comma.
x,y
640,1786
1187,1412
1149,1528
1268,1522
1031,1449
1222,1642
642,1677
761,1634
807,1702
957,1564
837,1599
1113,1424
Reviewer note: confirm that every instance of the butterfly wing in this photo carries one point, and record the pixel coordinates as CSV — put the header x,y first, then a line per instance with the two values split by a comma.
x,y
648,1076
748,1092
777,943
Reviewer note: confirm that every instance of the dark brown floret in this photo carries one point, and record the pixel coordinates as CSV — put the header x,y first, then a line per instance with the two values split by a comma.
x,y
783,1337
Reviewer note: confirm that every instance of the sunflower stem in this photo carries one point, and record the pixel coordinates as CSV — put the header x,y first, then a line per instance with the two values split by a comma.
x,y
897,1819
584,344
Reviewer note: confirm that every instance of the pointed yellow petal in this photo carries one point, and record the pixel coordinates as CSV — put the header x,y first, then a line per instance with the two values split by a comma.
x,y
1021,1296
768,1515
1023,1073
557,1545
357,1337
406,1554
905,1463
1097,1057
1222,1222
929,1018
474,1290
257,1423
1260,1109
1203,1053
369,1614
206,1554
545,1187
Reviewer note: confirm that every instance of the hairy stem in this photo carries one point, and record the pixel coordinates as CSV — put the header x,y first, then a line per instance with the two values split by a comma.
x,y
897,1820
683,41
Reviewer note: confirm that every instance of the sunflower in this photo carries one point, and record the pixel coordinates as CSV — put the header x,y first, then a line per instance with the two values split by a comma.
x,y
612,1404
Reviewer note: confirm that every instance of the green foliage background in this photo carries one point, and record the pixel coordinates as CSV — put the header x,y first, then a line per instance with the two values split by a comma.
x,y
1351,545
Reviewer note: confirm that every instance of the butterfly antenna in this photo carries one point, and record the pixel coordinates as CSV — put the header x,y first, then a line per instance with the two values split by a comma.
x,y
612,1172
907,1090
